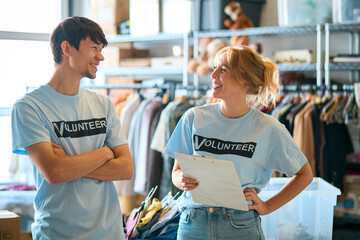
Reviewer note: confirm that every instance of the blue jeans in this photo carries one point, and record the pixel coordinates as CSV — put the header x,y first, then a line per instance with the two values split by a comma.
x,y
219,223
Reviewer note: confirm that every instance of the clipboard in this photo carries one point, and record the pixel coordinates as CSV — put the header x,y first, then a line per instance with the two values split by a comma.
x,y
219,184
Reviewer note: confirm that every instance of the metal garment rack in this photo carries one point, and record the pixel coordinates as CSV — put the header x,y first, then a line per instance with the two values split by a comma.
x,y
170,87
320,90
300,88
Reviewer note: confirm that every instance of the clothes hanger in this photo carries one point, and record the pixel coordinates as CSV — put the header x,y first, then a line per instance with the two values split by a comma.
x,y
332,108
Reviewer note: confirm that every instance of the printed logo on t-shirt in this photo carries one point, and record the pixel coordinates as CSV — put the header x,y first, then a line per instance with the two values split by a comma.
x,y
218,146
82,128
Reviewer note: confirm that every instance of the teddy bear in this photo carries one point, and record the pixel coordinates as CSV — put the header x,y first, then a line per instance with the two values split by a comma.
x,y
208,48
202,55
212,48
237,41
237,20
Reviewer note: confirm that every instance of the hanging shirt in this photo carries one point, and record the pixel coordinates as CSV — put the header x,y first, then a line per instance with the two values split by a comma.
x,y
144,145
126,187
158,142
256,143
83,208
127,112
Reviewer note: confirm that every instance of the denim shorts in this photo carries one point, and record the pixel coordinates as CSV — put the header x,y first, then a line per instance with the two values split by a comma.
x,y
219,223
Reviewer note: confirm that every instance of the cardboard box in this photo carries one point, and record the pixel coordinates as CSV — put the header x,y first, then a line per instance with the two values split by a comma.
x,y
351,201
10,225
109,13
136,62
115,53
299,56
167,62
26,236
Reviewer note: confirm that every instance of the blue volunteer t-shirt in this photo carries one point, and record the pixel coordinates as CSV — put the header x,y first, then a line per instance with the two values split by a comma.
x,y
256,143
84,208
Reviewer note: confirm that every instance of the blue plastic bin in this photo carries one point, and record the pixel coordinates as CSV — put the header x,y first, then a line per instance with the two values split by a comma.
x,y
308,216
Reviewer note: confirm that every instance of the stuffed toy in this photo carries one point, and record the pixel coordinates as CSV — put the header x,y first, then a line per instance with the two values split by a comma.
x,y
213,47
257,47
237,41
204,63
237,20
202,55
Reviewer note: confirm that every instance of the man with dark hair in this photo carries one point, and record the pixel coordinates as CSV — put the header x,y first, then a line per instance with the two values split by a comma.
x,y
74,138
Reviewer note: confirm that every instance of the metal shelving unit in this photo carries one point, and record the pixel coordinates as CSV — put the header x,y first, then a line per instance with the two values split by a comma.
x,y
273,32
353,29
297,67
344,67
136,71
149,71
161,37
318,67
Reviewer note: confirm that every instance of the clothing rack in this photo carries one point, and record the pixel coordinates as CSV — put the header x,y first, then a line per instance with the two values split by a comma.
x,y
300,88
169,86
342,88
321,90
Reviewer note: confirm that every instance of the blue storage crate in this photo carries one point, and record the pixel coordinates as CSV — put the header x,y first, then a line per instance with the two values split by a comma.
x,y
308,216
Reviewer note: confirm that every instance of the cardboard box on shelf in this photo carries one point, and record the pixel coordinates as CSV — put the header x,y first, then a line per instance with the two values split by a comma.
x,y
351,201
140,53
121,80
298,56
10,225
167,62
114,54
136,62
109,13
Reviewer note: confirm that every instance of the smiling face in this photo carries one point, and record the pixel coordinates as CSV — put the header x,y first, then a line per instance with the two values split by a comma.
x,y
86,60
224,85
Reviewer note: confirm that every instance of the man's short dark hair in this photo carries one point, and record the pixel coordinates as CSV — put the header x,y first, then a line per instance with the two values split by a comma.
x,y
73,30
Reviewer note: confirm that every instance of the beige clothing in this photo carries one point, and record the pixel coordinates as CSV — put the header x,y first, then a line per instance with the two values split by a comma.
x,y
303,133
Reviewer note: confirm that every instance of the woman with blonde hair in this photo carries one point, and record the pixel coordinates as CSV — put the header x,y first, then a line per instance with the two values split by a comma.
x,y
240,74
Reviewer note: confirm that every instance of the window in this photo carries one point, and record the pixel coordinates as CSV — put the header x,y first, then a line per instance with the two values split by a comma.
x,y
37,16
24,62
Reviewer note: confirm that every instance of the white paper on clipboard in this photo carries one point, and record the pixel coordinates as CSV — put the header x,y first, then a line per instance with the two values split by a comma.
x,y
219,184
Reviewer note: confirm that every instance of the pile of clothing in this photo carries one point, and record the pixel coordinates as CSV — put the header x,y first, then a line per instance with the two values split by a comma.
x,y
154,219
